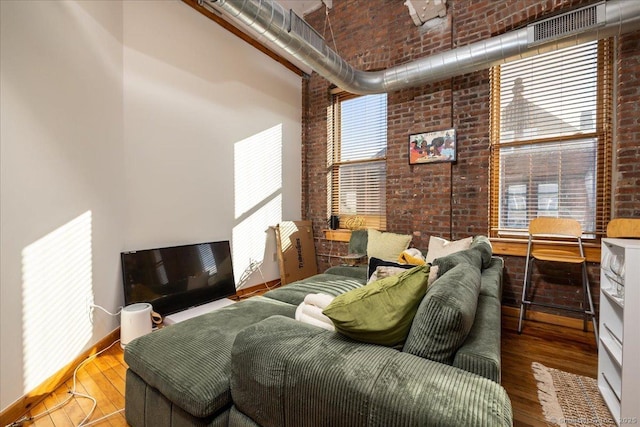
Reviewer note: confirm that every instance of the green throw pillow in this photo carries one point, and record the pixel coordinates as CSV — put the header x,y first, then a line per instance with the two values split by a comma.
x,y
382,311
445,315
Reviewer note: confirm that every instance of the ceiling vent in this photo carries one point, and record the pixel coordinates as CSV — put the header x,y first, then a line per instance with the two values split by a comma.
x,y
566,24
299,27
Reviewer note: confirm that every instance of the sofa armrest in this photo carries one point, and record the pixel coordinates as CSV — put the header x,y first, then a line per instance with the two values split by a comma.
x,y
480,352
286,373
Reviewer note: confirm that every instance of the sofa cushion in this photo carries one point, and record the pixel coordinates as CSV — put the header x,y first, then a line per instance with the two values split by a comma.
x,y
387,246
290,374
439,247
480,352
471,256
355,271
380,312
330,284
189,362
445,315
146,406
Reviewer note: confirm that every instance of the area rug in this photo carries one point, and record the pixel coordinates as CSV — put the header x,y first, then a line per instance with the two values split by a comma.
x,y
570,400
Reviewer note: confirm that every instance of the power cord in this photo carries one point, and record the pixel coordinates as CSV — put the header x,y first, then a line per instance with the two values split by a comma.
x,y
73,393
257,265
103,417
253,266
92,306
105,310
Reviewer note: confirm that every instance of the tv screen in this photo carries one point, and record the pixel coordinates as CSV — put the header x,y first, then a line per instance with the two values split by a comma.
x,y
176,278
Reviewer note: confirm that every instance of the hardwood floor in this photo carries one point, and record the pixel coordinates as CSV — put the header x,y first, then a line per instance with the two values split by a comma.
x,y
103,378
554,346
559,347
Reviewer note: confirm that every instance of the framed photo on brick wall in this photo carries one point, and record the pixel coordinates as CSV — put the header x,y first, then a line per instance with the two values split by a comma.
x,y
432,147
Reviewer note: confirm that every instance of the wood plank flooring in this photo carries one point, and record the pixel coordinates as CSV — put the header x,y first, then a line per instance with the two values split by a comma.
x,y
103,378
555,346
559,347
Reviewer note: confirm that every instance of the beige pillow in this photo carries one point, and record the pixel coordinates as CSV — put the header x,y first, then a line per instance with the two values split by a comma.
x,y
386,246
439,247
386,271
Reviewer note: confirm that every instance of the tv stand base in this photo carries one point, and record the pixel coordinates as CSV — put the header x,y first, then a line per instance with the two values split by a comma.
x,y
199,310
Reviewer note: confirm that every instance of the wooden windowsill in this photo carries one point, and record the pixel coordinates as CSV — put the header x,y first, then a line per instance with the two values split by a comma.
x,y
501,245
518,247
339,235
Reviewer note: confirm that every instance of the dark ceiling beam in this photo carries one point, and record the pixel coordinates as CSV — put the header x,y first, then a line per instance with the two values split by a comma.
x,y
247,38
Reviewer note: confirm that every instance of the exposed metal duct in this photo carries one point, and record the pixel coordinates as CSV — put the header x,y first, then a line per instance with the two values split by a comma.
x,y
294,35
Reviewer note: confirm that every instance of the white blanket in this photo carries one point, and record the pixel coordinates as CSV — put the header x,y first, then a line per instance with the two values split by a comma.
x,y
319,300
310,311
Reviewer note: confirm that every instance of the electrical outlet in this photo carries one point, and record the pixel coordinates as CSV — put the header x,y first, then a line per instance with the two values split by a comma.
x,y
90,308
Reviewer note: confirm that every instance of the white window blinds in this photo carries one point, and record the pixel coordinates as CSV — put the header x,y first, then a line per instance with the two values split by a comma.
x,y
550,134
358,146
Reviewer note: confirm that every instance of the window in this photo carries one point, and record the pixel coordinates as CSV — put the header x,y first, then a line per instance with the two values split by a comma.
x,y
551,139
357,151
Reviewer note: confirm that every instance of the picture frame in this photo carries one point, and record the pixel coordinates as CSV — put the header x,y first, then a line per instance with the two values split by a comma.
x,y
433,147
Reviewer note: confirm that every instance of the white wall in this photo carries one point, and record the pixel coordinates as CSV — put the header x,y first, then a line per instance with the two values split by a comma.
x,y
199,105
61,183
124,126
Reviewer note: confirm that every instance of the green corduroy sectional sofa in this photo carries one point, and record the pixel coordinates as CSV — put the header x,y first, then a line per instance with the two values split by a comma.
x,y
252,364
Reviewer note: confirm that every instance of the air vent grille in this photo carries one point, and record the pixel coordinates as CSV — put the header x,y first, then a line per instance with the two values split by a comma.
x,y
566,24
303,30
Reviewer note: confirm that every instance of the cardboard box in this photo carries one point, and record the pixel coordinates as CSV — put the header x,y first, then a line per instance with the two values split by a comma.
x,y
296,251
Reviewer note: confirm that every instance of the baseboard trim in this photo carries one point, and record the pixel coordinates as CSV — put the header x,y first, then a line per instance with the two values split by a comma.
x,y
31,399
553,319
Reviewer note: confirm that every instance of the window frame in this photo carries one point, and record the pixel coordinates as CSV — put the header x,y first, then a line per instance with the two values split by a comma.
x,y
602,134
334,163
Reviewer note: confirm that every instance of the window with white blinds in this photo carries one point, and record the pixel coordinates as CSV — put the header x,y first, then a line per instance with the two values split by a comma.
x,y
357,159
551,139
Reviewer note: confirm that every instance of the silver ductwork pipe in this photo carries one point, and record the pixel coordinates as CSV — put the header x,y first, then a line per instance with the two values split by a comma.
x,y
288,31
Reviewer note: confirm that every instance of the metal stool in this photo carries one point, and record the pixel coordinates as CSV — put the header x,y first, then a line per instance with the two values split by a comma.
x,y
548,230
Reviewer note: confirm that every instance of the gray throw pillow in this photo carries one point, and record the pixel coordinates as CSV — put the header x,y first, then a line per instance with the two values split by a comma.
x,y
358,242
471,256
483,244
445,315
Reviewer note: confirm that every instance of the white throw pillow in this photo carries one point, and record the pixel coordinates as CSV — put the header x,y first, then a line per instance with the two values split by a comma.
x,y
386,246
439,247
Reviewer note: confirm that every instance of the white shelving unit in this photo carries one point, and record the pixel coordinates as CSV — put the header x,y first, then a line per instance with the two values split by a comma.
x,y
619,382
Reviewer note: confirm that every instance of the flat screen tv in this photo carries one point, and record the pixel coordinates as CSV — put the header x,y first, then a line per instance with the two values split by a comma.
x,y
176,278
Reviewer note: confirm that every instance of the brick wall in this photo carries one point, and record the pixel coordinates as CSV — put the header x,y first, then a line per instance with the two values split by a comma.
x,y
627,155
444,199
